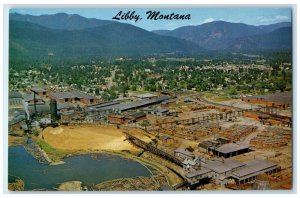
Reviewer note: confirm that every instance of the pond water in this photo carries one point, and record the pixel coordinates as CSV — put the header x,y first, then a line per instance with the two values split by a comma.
x,y
88,168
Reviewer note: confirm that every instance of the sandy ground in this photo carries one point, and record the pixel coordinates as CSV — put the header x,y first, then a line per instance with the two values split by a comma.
x,y
73,138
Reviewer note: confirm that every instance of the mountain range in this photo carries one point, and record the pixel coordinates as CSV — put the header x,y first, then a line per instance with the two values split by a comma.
x,y
64,36
30,37
221,35
61,21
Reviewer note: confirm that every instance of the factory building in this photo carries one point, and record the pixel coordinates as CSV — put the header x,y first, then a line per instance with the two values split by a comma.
x,y
118,107
15,98
281,100
222,170
116,119
229,150
158,111
65,106
144,96
96,112
29,98
74,96
40,108
253,168
130,118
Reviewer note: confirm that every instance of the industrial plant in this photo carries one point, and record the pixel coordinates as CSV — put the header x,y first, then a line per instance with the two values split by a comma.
x,y
200,141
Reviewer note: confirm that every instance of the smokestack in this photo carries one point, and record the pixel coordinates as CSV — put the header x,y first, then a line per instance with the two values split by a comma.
x,y
53,110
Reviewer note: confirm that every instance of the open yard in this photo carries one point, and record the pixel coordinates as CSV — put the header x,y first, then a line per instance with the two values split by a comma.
x,y
75,138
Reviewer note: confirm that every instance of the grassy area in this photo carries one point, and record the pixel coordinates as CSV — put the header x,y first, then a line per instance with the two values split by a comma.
x,y
54,154
216,97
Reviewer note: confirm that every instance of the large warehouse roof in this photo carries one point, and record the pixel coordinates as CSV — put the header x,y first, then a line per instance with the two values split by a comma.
x,y
146,95
73,94
134,104
231,147
253,166
224,165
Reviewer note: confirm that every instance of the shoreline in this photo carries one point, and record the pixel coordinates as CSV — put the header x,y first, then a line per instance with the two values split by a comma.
x,y
116,146
127,155
168,174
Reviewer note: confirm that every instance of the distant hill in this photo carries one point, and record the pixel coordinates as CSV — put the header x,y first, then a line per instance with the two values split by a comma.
x,y
61,21
161,32
68,37
32,41
221,35
276,40
272,27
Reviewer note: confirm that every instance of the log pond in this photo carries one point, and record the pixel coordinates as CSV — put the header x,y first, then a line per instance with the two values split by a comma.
x,y
87,168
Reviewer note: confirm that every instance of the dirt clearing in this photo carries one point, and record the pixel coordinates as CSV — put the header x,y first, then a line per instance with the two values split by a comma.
x,y
75,138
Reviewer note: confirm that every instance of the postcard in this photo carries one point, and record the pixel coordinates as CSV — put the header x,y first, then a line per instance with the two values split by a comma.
x,y
114,99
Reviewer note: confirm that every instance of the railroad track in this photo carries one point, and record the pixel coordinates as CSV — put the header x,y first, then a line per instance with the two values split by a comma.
x,y
140,143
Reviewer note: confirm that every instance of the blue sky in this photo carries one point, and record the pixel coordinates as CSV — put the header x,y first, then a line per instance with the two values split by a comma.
x,y
247,15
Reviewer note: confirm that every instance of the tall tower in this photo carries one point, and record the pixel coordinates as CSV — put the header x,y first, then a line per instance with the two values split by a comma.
x,y
53,111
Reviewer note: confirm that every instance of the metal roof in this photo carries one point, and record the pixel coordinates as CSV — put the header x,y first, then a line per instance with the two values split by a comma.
x,y
104,104
62,95
28,97
221,166
37,90
134,104
78,94
231,147
252,167
73,94
201,171
136,115
146,95
15,94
